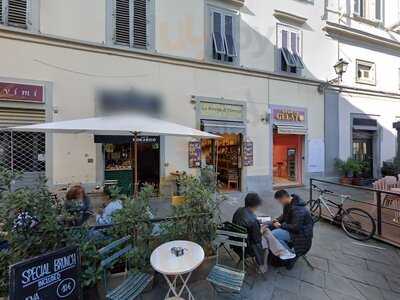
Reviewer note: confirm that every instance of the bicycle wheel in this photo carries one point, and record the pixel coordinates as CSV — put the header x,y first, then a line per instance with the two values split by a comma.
x,y
315,210
358,224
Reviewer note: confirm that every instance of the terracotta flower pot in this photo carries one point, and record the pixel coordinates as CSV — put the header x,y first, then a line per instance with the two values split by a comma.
x,y
178,200
346,180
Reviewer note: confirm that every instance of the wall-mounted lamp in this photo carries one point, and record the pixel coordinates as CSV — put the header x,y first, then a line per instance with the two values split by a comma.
x,y
340,68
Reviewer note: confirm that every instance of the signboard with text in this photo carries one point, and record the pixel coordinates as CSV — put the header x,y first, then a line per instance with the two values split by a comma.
x,y
221,111
21,92
194,154
54,275
285,115
248,156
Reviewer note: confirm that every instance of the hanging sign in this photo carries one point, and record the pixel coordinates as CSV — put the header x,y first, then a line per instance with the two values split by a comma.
x,y
21,92
194,154
54,275
248,157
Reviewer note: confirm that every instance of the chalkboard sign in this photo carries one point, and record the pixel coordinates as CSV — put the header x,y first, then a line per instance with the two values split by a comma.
x,y
194,155
248,159
54,275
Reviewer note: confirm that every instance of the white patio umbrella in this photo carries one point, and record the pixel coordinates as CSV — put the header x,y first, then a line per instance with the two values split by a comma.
x,y
134,125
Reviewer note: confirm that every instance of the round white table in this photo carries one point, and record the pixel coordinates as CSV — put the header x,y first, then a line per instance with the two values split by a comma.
x,y
178,267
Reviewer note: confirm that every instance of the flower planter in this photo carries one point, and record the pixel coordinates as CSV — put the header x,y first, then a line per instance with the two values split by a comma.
x,y
178,200
346,180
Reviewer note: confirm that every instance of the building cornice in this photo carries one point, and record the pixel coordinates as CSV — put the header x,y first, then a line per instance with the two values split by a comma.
x,y
279,14
343,30
151,56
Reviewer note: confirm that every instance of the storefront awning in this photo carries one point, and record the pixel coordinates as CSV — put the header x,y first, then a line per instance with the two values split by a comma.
x,y
221,127
284,129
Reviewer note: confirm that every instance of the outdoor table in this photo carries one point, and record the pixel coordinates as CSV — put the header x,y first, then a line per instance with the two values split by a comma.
x,y
179,267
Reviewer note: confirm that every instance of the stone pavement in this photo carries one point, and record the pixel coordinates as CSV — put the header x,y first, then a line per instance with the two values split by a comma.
x,y
344,269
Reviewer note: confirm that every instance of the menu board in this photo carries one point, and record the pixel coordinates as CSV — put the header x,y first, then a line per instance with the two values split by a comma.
x,y
54,275
248,157
194,154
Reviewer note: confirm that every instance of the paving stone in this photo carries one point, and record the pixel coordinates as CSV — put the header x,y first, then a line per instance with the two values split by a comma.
x,y
309,291
295,272
315,277
350,260
394,283
341,285
368,291
359,274
383,268
389,295
338,296
287,283
318,263
280,294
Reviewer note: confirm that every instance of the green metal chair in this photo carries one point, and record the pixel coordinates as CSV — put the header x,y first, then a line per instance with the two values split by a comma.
x,y
223,278
134,283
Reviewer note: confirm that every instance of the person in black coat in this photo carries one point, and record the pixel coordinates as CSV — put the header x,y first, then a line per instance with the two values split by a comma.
x,y
295,226
259,238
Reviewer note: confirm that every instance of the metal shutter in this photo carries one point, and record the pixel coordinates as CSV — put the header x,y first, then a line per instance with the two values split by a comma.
x,y
16,116
17,13
130,23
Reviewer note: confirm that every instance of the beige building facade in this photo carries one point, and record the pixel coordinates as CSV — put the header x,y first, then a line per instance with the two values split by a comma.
x,y
174,54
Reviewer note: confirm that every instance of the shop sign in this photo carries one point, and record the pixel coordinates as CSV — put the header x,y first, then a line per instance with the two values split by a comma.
x,y
54,275
21,92
248,156
194,154
221,111
288,116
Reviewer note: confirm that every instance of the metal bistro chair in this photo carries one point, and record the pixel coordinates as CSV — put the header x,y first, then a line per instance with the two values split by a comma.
x,y
223,278
134,283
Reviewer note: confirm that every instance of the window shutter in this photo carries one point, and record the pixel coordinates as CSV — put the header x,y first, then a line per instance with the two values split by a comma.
x,y
122,32
217,33
229,40
357,7
378,10
17,13
140,23
287,55
1,12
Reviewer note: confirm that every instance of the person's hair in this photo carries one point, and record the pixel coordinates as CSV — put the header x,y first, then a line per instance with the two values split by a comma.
x,y
252,200
74,192
280,194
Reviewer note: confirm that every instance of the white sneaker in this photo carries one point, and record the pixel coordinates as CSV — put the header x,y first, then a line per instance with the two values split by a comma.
x,y
287,255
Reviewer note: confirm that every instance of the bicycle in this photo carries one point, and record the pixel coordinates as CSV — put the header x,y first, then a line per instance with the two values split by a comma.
x,y
356,223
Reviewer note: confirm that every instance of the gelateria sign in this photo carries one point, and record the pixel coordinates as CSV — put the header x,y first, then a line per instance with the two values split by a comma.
x,y
284,115
21,92
221,111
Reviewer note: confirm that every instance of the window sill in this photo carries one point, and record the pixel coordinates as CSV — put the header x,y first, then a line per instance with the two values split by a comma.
x,y
372,22
364,82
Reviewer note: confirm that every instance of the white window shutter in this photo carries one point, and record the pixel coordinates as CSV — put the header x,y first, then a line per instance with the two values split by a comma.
x,y
229,36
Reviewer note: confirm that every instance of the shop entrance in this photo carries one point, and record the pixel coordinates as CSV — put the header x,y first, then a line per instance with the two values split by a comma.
x,y
363,142
118,159
225,155
287,159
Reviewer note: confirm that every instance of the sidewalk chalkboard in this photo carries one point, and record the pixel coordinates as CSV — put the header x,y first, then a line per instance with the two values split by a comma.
x,y
248,158
54,275
194,155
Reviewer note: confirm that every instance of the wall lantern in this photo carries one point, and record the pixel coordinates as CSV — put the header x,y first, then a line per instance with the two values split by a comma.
x,y
341,68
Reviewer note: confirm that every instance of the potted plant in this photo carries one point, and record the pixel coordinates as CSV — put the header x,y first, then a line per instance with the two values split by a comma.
x,y
346,170
359,168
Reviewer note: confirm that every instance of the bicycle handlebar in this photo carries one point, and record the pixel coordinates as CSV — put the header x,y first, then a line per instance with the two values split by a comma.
x,y
325,191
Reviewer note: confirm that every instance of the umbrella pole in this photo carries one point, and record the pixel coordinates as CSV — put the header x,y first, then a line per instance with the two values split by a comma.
x,y
135,186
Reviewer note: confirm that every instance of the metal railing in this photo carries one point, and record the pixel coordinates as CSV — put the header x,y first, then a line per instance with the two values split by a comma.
x,y
382,205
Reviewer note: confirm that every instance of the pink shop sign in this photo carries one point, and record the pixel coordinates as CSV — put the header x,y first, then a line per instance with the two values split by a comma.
x,y
21,92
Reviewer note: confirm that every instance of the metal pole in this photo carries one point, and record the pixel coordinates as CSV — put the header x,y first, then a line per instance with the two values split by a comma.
x,y
311,189
135,188
379,211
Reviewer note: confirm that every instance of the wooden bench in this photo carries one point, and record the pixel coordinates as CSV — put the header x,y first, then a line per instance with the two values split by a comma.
x,y
134,283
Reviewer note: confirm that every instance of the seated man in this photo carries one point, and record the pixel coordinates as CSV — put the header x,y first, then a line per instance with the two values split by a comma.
x,y
260,240
295,225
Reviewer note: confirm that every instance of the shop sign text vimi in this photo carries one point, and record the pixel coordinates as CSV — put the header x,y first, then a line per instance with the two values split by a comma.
x,y
54,275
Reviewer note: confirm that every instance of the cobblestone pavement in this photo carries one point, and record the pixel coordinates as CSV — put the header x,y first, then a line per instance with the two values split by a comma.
x,y
344,269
